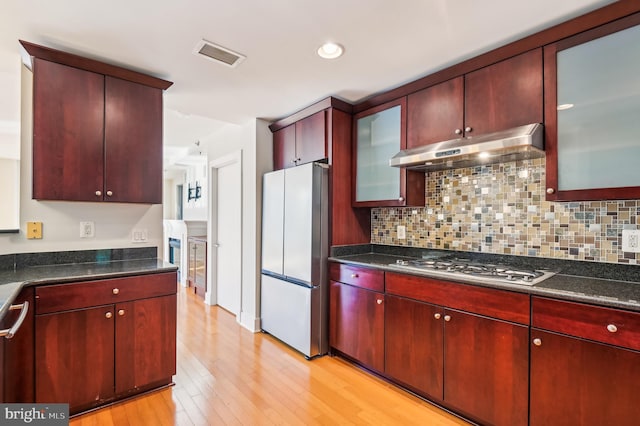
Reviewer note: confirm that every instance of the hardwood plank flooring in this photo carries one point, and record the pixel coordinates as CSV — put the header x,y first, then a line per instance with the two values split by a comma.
x,y
227,375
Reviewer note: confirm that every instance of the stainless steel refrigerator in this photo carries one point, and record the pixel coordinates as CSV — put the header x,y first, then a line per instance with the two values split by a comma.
x,y
294,293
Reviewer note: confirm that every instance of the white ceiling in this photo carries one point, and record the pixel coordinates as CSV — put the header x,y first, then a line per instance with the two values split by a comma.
x,y
387,43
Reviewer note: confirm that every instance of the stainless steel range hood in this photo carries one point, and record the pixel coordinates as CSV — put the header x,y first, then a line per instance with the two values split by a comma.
x,y
518,143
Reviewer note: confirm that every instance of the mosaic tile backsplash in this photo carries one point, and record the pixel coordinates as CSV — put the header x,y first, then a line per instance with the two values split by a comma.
x,y
501,208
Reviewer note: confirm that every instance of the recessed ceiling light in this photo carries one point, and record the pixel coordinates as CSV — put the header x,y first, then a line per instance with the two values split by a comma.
x,y
564,106
330,50
484,155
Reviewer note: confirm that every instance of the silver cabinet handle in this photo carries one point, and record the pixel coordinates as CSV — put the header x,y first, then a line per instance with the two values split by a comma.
x,y
108,315
379,301
98,193
354,275
293,161
115,291
447,318
537,342
612,328
550,190
109,193
121,312
468,129
457,131
437,316
10,332
401,199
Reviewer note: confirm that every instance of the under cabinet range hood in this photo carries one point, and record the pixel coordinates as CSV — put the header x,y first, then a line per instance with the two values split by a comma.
x,y
518,143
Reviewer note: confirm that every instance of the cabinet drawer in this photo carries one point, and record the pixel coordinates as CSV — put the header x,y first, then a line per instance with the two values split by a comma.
x,y
373,279
505,305
606,325
64,297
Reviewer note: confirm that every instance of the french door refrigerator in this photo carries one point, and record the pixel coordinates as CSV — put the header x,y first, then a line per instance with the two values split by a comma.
x,y
294,293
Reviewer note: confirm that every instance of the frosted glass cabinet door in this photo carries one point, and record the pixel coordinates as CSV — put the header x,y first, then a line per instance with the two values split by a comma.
x,y
596,108
379,136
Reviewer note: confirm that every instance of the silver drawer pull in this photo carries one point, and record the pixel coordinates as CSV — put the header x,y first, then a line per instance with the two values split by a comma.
x,y
537,342
447,318
612,328
354,275
115,291
10,332
437,316
108,315
379,301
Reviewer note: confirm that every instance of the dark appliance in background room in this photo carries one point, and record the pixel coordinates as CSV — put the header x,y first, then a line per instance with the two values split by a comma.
x,y
294,293
174,253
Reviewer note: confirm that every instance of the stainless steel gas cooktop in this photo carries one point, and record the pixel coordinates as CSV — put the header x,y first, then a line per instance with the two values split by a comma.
x,y
475,271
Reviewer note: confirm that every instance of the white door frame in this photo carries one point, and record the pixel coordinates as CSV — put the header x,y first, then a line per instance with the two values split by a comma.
x,y
211,295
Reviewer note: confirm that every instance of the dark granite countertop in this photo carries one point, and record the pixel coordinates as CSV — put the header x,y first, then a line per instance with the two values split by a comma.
x,y
13,279
604,284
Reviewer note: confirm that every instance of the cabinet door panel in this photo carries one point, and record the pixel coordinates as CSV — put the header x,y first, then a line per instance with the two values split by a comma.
x,y
486,368
576,382
74,357
434,114
133,142
284,148
506,94
311,139
16,384
68,108
413,344
357,324
145,342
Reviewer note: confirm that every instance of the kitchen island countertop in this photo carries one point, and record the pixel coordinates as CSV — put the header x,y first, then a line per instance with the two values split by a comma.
x,y
12,281
610,285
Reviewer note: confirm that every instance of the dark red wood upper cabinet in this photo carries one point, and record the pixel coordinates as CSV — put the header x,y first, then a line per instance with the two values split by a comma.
x,y
133,142
68,130
95,137
435,114
577,382
284,147
591,154
504,95
302,142
311,138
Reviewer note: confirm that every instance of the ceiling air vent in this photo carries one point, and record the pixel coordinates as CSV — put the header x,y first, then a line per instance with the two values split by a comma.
x,y
218,54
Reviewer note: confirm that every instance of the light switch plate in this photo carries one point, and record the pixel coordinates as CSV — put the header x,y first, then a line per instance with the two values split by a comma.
x,y
34,230
87,229
139,235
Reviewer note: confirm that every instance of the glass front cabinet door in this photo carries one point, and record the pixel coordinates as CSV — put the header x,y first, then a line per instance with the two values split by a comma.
x,y
592,114
379,133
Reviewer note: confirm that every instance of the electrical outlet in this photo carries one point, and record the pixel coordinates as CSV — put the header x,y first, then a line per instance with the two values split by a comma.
x,y
631,240
402,232
139,236
87,230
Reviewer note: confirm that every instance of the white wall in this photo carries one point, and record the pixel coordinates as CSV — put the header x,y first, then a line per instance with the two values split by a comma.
x,y
255,140
114,222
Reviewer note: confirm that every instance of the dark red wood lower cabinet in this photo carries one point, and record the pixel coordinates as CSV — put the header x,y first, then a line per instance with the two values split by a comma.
x,y
357,324
414,335
145,343
74,357
578,382
486,368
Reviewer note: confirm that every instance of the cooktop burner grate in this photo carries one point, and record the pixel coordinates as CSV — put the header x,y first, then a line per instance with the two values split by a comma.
x,y
489,273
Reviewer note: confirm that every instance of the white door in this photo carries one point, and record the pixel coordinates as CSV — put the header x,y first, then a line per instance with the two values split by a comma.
x,y
226,235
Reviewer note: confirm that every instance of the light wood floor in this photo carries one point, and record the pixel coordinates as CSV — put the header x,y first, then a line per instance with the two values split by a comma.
x,y
228,375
